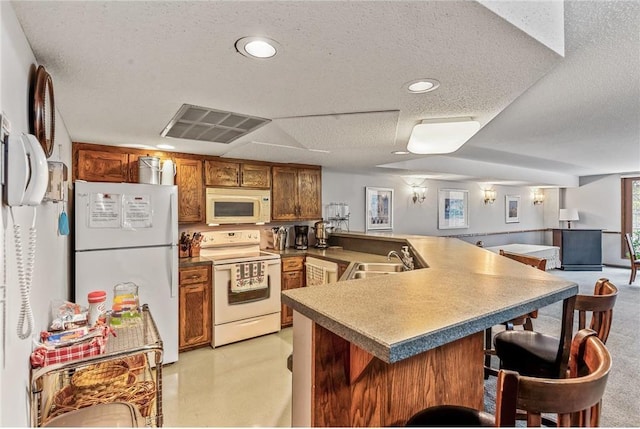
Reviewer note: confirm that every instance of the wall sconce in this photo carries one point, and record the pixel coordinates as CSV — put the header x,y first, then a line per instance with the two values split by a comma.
x,y
489,196
568,215
538,197
419,194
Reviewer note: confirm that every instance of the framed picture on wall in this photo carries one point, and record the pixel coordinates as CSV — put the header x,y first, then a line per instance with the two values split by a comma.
x,y
512,208
453,209
379,208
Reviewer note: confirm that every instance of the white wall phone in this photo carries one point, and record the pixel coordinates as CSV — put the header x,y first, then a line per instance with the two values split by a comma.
x,y
27,171
26,183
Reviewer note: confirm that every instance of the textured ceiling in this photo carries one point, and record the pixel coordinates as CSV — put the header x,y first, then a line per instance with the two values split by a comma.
x,y
335,91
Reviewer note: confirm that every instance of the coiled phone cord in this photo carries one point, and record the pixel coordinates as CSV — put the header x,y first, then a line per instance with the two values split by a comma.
x,y
25,275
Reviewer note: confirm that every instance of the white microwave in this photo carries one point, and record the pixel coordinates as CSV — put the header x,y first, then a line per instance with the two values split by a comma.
x,y
238,205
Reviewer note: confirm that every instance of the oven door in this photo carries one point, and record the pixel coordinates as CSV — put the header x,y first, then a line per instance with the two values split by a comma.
x,y
235,302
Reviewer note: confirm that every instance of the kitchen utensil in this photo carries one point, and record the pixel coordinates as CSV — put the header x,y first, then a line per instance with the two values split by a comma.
x,y
282,238
63,222
149,170
322,230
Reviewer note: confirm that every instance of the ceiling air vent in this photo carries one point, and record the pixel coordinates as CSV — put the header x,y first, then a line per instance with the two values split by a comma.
x,y
211,125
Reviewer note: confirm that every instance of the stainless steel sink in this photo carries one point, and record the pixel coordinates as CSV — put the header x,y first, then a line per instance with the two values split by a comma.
x,y
380,267
367,274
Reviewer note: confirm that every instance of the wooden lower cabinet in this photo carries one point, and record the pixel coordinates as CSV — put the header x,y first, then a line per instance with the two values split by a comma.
x,y
292,278
195,308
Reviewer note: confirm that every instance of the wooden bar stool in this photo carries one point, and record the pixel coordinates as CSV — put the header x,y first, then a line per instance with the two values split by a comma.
x,y
538,355
633,257
575,400
524,320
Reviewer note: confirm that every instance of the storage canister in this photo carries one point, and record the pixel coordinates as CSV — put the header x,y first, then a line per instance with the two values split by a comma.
x,y
97,307
149,170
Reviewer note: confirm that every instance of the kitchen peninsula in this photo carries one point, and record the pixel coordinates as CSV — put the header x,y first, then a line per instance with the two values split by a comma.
x,y
372,352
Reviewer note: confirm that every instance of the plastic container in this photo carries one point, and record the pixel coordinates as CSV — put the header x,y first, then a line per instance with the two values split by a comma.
x,y
168,172
126,304
149,170
97,307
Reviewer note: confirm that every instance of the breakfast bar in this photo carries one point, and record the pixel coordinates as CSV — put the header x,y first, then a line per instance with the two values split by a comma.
x,y
373,351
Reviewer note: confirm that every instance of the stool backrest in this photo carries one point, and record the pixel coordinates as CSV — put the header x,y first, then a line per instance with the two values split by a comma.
x,y
576,400
538,263
633,255
600,306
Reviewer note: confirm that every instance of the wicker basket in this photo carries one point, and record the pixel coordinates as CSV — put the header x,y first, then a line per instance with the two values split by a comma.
x,y
136,363
93,380
142,394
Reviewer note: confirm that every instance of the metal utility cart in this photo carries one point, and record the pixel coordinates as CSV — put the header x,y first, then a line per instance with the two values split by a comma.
x,y
136,349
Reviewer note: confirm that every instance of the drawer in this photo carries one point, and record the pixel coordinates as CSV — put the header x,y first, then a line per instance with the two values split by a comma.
x,y
295,263
194,275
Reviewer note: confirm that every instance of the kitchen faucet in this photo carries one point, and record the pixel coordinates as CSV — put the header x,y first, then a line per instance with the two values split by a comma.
x,y
406,258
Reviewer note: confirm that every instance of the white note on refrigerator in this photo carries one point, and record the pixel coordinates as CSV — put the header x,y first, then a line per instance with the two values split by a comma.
x,y
136,211
105,210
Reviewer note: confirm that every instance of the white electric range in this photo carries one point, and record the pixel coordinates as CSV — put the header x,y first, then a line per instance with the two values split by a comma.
x,y
246,285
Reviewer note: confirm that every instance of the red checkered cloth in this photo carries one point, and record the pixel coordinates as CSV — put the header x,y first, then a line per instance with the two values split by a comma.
x,y
43,356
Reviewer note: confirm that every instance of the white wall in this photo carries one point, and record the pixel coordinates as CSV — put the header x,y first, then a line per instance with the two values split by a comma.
x,y
598,201
423,218
51,274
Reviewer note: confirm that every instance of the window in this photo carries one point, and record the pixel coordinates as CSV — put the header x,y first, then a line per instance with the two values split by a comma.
x,y
630,211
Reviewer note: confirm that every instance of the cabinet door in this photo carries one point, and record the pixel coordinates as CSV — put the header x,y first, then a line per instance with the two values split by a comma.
x,y
309,193
101,166
290,280
284,193
195,307
255,176
190,190
221,173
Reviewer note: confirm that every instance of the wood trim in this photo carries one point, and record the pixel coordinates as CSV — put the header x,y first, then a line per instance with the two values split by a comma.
x,y
482,234
626,218
122,149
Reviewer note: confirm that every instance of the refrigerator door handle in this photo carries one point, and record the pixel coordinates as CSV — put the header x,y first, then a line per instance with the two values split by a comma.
x,y
173,217
174,270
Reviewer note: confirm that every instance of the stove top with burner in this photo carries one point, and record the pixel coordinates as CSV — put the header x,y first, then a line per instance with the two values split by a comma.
x,y
224,247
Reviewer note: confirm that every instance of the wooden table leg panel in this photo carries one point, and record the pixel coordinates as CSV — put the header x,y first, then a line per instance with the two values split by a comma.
x,y
348,391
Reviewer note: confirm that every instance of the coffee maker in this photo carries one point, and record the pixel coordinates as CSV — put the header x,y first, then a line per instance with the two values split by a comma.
x,y
302,236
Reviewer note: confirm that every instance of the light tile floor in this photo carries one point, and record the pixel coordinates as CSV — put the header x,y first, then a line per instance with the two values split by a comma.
x,y
243,384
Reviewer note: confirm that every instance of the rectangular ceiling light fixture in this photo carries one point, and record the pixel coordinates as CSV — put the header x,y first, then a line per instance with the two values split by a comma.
x,y
211,125
441,135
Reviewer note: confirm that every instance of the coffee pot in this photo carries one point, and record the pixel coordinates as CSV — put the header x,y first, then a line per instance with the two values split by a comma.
x,y
302,236
322,230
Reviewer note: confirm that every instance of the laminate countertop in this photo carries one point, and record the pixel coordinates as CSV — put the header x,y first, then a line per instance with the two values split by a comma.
x,y
464,290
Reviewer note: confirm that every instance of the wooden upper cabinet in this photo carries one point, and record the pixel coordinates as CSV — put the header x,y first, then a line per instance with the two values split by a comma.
x,y
221,173
255,176
296,193
309,193
234,174
284,193
102,166
190,190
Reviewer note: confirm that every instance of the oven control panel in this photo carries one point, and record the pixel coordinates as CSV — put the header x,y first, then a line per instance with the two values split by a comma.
x,y
230,238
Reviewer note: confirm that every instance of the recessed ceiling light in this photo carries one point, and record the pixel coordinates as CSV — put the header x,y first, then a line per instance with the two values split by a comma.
x,y
400,152
165,146
420,86
257,47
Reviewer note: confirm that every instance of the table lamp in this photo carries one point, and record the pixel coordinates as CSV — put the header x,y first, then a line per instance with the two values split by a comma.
x,y
568,215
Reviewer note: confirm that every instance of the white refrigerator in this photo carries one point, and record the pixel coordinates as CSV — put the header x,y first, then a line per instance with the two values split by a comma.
x,y
128,232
